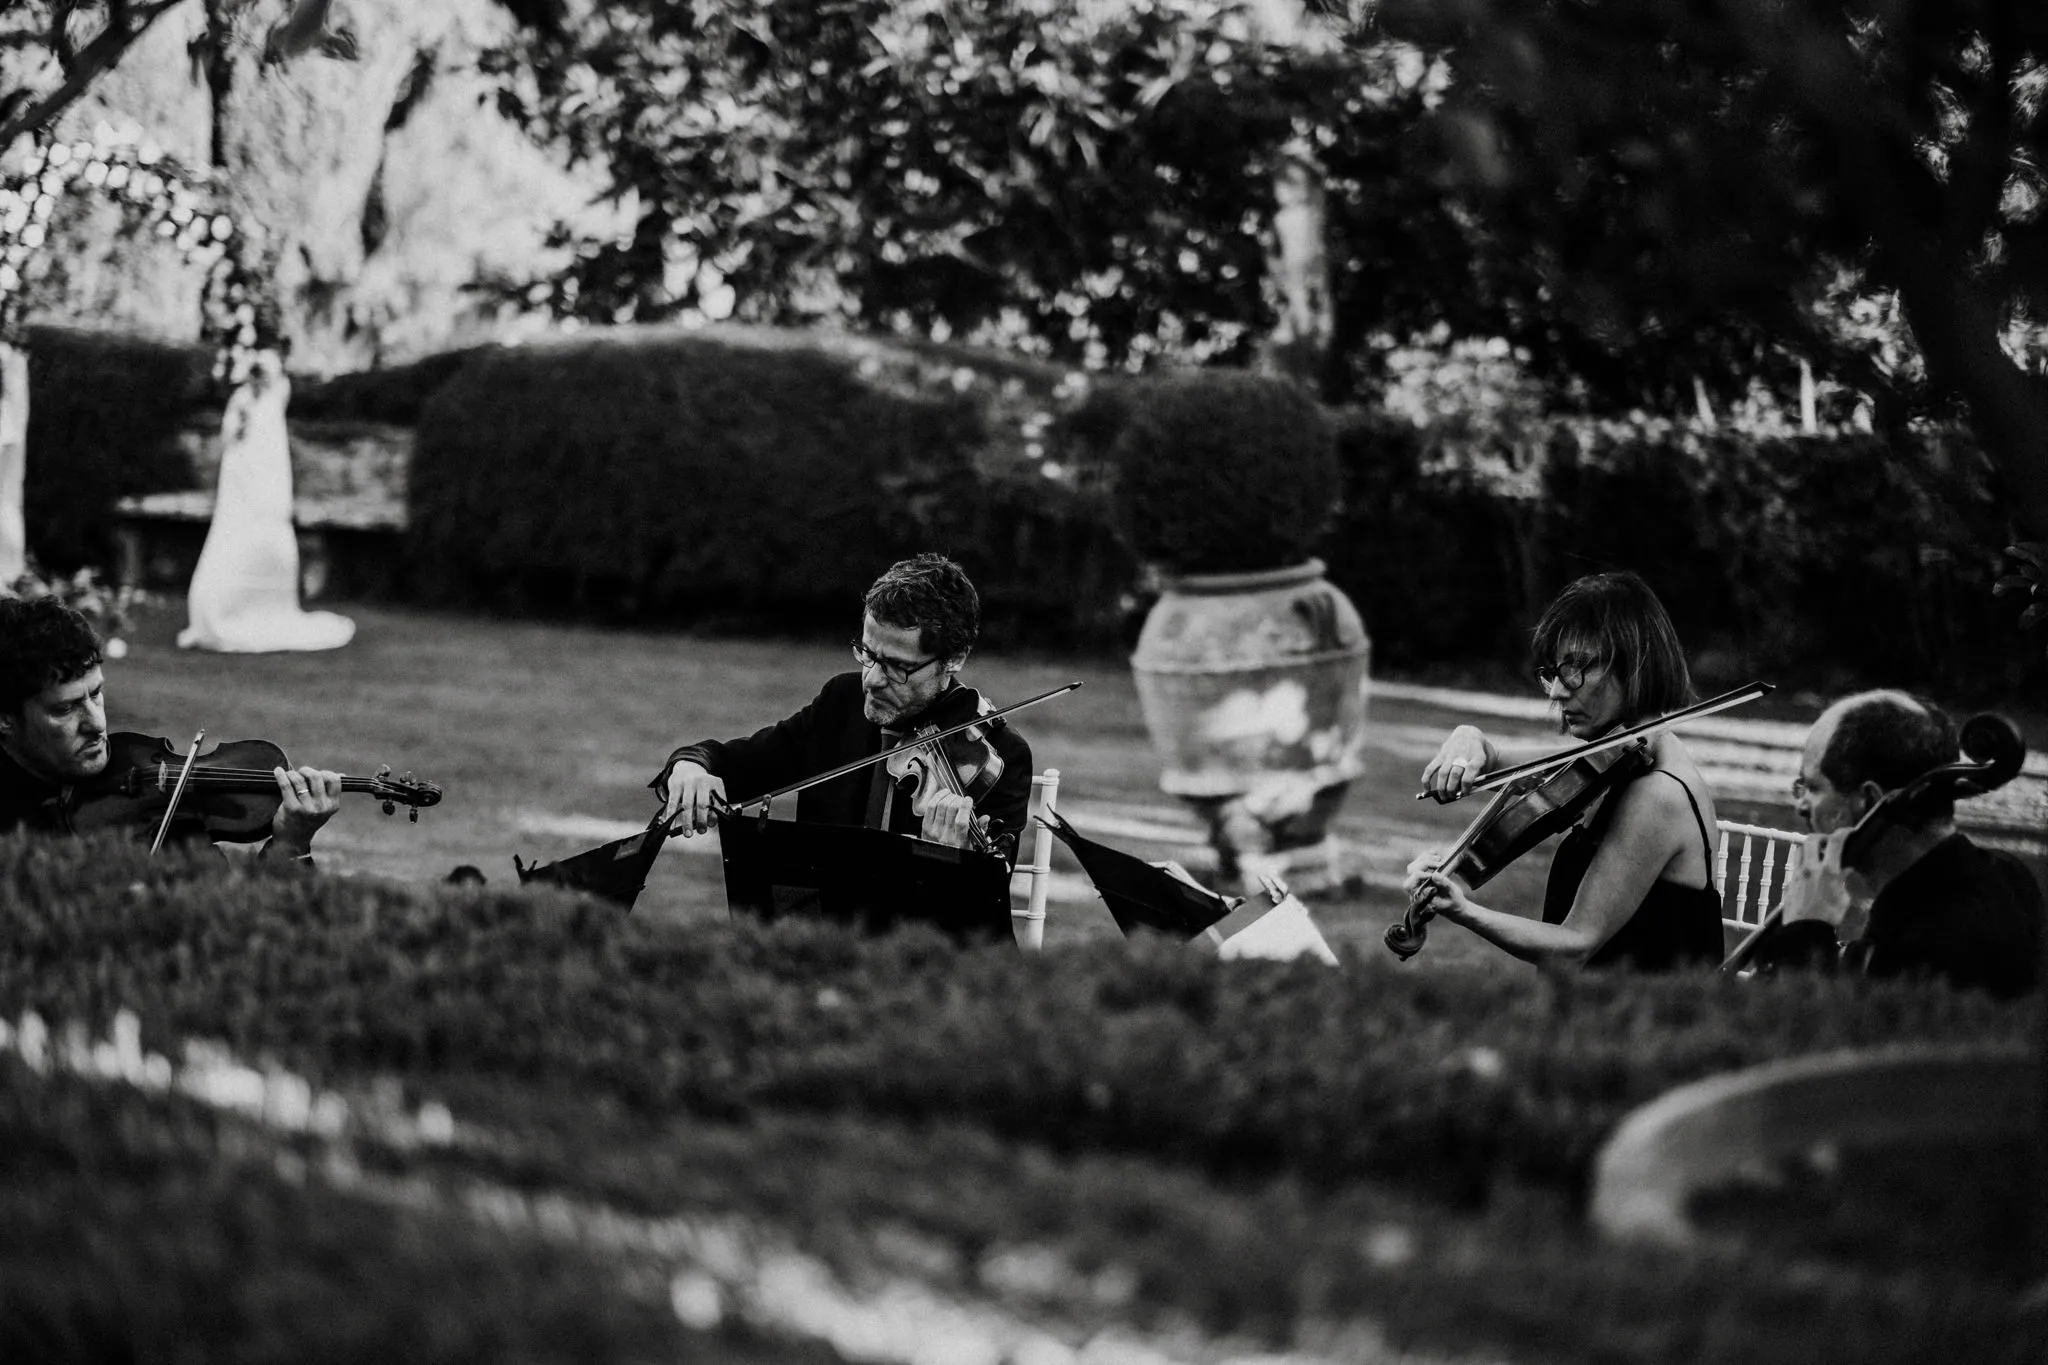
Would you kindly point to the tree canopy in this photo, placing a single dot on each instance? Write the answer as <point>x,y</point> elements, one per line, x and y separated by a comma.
<point>1080,177</point>
<point>1680,161</point>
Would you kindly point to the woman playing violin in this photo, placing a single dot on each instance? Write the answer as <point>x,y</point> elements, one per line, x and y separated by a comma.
<point>1632,882</point>
<point>54,741</point>
<point>919,623</point>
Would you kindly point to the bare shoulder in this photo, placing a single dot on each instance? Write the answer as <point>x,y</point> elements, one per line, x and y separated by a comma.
<point>1657,807</point>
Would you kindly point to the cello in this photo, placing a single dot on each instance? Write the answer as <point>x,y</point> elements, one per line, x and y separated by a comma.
<point>1993,752</point>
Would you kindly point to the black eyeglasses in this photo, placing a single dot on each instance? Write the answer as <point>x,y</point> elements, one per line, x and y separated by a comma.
<point>895,670</point>
<point>1569,671</point>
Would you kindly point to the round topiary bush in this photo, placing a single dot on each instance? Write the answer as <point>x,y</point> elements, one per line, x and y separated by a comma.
<point>1224,472</point>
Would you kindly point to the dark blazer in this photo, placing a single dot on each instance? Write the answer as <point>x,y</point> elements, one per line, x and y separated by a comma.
<point>832,730</point>
<point>1972,916</point>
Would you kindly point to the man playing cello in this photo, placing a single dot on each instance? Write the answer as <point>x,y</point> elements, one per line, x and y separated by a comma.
<point>1942,906</point>
<point>919,623</point>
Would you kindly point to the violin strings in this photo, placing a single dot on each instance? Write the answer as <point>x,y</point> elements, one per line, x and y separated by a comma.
<point>218,777</point>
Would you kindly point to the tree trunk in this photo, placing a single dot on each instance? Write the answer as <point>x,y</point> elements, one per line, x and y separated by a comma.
<point>244,597</point>
<point>13,460</point>
<point>1958,334</point>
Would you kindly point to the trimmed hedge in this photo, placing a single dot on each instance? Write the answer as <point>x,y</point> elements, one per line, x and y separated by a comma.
<point>1822,560</point>
<point>681,475</point>
<point>884,1085</point>
<point>1223,472</point>
<point>752,476</point>
<point>105,411</point>
<point>144,1228</point>
<point>1451,1079</point>
<point>394,394</point>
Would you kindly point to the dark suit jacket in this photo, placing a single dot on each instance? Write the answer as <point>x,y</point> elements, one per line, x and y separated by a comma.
<point>832,730</point>
<point>1970,915</point>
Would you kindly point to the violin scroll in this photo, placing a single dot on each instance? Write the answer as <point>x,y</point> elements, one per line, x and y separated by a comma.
<point>1405,937</point>
<point>1992,743</point>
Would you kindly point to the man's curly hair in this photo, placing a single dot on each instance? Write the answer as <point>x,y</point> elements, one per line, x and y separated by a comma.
<point>933,594</point>
<point>42,643</point>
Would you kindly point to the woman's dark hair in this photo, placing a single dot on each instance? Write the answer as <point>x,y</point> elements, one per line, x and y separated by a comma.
<point>1624,625</point>
<point>932,594</point>
<point>42,643</point>
<point>1889,738</point>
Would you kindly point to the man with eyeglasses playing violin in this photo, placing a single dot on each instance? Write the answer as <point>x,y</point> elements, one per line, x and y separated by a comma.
<point>919,622</point>
<point>1940,905</point>
<point>1632,883</point>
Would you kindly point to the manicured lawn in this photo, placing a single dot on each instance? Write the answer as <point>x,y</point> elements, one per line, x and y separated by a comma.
<point>545,735</point>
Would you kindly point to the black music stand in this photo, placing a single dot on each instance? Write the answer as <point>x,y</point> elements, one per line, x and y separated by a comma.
<point>616,871</point>
<point>868,879</point>
<point>1140,895</point>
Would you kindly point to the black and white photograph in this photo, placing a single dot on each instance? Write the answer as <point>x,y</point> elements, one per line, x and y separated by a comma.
<point>1024,682</point>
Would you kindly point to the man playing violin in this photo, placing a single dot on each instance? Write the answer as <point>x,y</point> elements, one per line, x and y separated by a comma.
<point>919,623</point>
<point>53,732</point>
<point>1632,882</point>
<point>1941,905</point>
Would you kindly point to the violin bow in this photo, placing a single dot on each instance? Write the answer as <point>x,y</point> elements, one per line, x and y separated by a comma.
<point>1738,696</point>
<point>177,790</point>
<point>859,763</point>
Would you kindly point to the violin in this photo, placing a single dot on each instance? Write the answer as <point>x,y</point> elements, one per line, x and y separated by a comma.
<point>229,795</point>
<point>1993,752</point>
<point>957,760</point>
<point>1546,796</point>
<point>926,739</point>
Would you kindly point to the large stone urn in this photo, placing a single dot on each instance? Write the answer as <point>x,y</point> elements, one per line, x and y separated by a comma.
<point>1253,687</point>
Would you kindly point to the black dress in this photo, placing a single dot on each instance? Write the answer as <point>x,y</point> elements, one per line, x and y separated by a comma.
<point>1675,926</point>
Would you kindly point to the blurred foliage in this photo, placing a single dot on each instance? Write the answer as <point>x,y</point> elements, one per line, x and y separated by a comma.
<point>1446,1081</point>
<point>396,394</point>
<point>755,478</point>
<point>149,1227</point>
<point>750,476</point>
<point>1820,559</point>
<point>1221,472</point>
<point>1092,182</point>
<point>1077,179</point>
<point>109,606</point>
<point>104,414</point>
<point>2029,577</point>
<point>1673,166</point>
<point>1135,1138</point>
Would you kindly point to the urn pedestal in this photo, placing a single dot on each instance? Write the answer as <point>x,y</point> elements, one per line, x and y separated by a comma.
<point>1253,688</point>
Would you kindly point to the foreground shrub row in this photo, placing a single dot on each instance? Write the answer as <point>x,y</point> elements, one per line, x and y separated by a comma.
<point>1448,1079</point>
<point>149,1228</point>
<point>995,1106</point>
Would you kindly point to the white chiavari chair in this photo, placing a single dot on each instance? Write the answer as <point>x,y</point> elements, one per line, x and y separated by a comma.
<point>1029,923</point>
<point>1749,868</point>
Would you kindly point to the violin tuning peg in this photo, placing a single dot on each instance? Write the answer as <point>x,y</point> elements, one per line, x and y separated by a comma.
<point>383,771</point>
<point>413,814</point>
<point>390,807</point>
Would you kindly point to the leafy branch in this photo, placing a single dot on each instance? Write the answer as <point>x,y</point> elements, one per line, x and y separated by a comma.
<point>2031,579</point>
